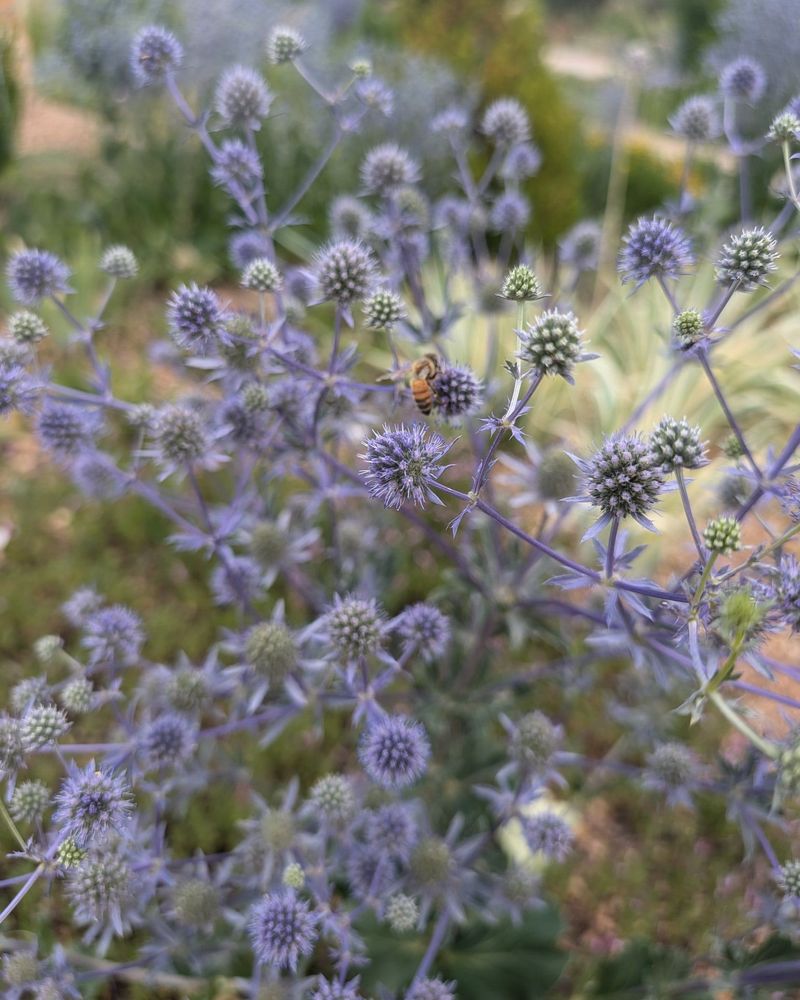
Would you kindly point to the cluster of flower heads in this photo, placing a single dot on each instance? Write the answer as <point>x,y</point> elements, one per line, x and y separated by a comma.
<point>304,430</point>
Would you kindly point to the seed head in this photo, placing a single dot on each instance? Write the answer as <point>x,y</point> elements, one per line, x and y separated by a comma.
<point>505,122</point>
<point>242,98</point>
<point>676,445</point>
<point>654,248</point>
<point>696,120</point>
<point>282,929</point>
<point>747,259</point>
<point>723,535</point>
<point>154,53</point>
<point>119,262</point>
<point>394,751</point>
<point>404,464</point>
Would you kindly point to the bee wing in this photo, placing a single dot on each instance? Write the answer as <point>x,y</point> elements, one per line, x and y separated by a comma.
<point>396,376</point>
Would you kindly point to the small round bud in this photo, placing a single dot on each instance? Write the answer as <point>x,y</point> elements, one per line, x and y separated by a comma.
<point>26,327</point>
<point>277,830</point>
<point>696,120</point>
<point>261,275</point>
<point>689,328</point>
<point>20,969</point>
<point>387,167</point>
<point>534,740</point>
<point>77,696</point>
<point>271,651</point>
<point>789,878</point>
<point>242,98</point>
<point>552,343</point>
<point>119,262</point>
<point>505,122</point>
<point>344,271</point>
<point>671,766</point>
<point>743,79</point>
<point>332,796</point>
<point>394,751</point>
<point>34,275</point>
<point>622,478</point>
<point>285,45</point>
<point>187,690</point>
<point>402,913</point>
<point>180,435</point>
<point>676,445</point>
<point>293,876</point>
<point>723,535</point>
<point>361,68</point>
<point>521,285</point>
<point>47,649</point>
<point>430,864</point>
<point>383,310</point>
<point>732,447</point>
<point>785,127</point>
<point>196,903</point>
<point>457,391</point>
<point>69,854</point>
<point>29,691</point>
<point>43,724</point>
<point>355,627</point>
<point>154,53</point>
<point>555,476</point>
<point>747,259</point>
<point>29,801</point>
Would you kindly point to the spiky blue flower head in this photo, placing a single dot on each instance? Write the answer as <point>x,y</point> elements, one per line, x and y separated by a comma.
<point>349,218</point>
<point>785,127</point>
<point>789,879</point>
<point>242,98</point>
<point>786,589</point>
<point>623,479</point>
<point>505,122</point>
<point>383,310</point>
<point>552,343</point>
<point>27,327</point>
<point>369,875</point>
<point>355,626</point>
<point>424,628</point>
<point>387,167</point>
<point>392,831</point>
<point>91,802</point>
<point>580,247</point>
<point>676,445</point>
<point>743,79</point>
<point>261,275</point>
<point>236,164</point>
<point>18,390</point>
<point>457,391</point>
<point>238,580</point>
<point>167,741</point>
<point>154,53</point>
<point>432,989</point>
<point>283,929</point>
<point>696,120</point>
<point>180,435</point>
<point>344,271</point>
<point>404,465</point>
<point>102,887</point>
<point>394,751</point>
<point>654,248</point>
<point>329,989</point>
<point>119,262</point>
<point>285,44</point>
<point>196,318</point>
<point>547,832</point>
<point>522,161</point>
<point>66,429</point>
<point>375,95</point>
<point>29,801</point>
<point>80,605</point>
<point>747,259</point>
<point>510,212</point>
<point>113,636</point>
<point>34,275</point>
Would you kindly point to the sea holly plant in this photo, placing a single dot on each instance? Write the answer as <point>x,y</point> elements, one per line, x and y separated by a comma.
<point>305,472</point>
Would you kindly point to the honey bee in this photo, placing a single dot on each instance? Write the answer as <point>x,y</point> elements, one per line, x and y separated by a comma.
<point>421,375</point>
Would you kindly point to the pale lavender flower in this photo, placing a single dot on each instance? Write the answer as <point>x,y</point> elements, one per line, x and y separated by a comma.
<point>91,802</point>
<point>404,465</point>
<point>394,751</point>
<point>34,275</point>
<point>113,636</point>
<point>548,833</point>
<point>282,930</point>
<point>154,53</point>
<point>654,248</point>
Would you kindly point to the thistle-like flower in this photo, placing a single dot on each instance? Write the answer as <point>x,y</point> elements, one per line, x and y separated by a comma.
<point>696,120</point>
<point>505,122</point>
<point>349,218</point>
<point>547,832</point>
<point>676,445</point>
<point>167,741</point>
<point>786,591</point>
<point>27,327</point>
<point>344,271</point>
<point>402,913</point>
<point>387,167</point>
<point>747,259</point>
<point>66,429</point>
<point>743,79</point>
<point>533,740</point>
<point>154,53</point>
<point>332,797</point>
<point>671,768</point>
<point>622,479</point>
<point>242,98</point>
<point>457,391</point>
<point>34,275</point>
<point>785,127</point>
<point>29,801</point>
<point>394,751</point>
<point>285,45</point>
<point>383,310</point>
<point>91,802</point>
<point>552,344</point>
<point>43,724</point>
<point>271,651</point>
<point>510,212</point>
<point>180,436</point>
<point>282,930</point>
<point>654,248</point>
<point>113,636</point>
<point>789,879</point>
<point>236,163</point>
<point>261,275</point>
<point>580,247</point>
<point>196,318</point>
<point>392,831</point>
<point>432,989</point>
<point>355,626</point>
<point>119,262</point>
<point>425,630</point>
<point>404,464</point>
<point>195,903</point>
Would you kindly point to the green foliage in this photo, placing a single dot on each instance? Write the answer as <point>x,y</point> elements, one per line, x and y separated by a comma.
<point>9,97</point>
<point>649,182</point>
<point>500,960</point>
<point>695,22</point>
<point>502,44</point>
<point>640,970</point>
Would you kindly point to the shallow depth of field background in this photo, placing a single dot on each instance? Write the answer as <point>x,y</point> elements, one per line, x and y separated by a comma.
<point>83,165</point>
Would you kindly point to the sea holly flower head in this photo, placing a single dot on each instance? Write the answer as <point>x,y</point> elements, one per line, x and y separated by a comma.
<point>654,248</point>
<point>404,464</point>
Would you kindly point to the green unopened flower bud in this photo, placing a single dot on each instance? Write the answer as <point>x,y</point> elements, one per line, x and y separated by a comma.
<point>688,328</point>
<point>42,725</point>
<point>119,262</point>
<point>29,801</point>
<point>723,535</point>
<point>362,68</point>
<point>534,740</point>
<point>26,327</point>
<point>196,903</point>
<point>293,876</point>
<point>261,275</point>
<point>69,854</point>
<point>76,697</point>
<point>785,127</point>
<point>383,310</point>
<point>47,648</point>
<point>431,863</point>
<point>271,651</point>
<point>732,447</point>
<point>20,969</point>
<point>741,617</point>
<point>333,797</point>
<point>255,397</point>
<point>521,284</point>
<point>402,913</point>
<point>268,543</point>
